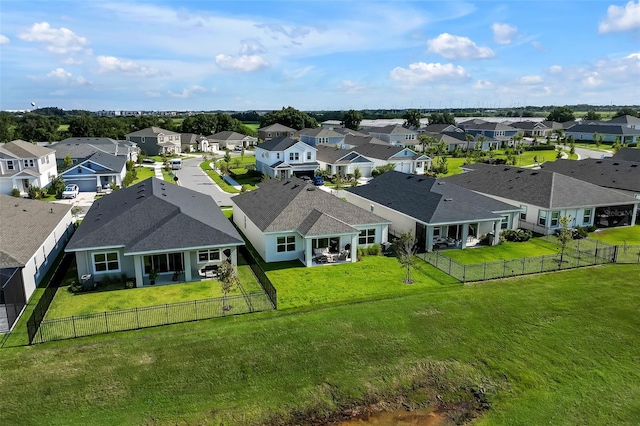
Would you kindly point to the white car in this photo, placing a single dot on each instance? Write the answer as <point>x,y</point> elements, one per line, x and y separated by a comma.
<point>70,191</point>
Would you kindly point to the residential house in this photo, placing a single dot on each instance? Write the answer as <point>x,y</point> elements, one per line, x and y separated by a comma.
<point>629,121</point>
<point>23,164</point>
<point>343,162</point>
<point>406,160</point>
<point>472,123</point>
<point>437,212</point>
<point>532,129</point>
<point>501,133</point>
<point>275,131</point>
<point>153,226</point>
<point>230,140</point>
<point>291,220</point>
<point>545,196</point>
<point>332,124</point>
<point>80,148</point>
<point>99,171</point>
<point>283,157</point>
<point>610,133</point>
<point>191,142</point>
<point>32,234</point>
<point>441,128</point>
<point>156,141</point>
<point>395,135</point>
<point>346,131</point>
<point>452,140</point>
<point>321,136</point>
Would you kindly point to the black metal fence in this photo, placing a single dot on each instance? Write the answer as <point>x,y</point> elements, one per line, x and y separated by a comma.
<point>150,316</point>
<point>40,310</point>
<point>628,253</point>
<point>264,281</point>
<point>572,258</point>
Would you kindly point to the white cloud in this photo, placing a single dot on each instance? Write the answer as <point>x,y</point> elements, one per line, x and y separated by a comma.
<point>538,46</point>
<point>351,87</point>
<point>592,79</point>
<point>4,39</point>
<point>72,61</point>
<point>297,73</point>
<point>621,18</point>
<point>554,69</point>
<point>633,56</point>
<point>420,73</point>
<point>251,46</point>
<point>66,77</point>
<point>245,63</point>
<point>113,64</point>
<point>456,47</point>
<point>187,92</point>
<point>61,41</point>
<point>503,33</point>
<point>531,79</point>
<point>153,94</point>
<point>483,84</point>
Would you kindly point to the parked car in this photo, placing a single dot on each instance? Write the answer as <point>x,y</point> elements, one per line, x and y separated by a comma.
<point>318,181</point>
<point>148,160</point>
<point>307,179</point>
<point>237,148</point>
<point>70,191</point>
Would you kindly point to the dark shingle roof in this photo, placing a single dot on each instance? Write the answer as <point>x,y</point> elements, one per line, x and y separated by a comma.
<point>541,188</point>
<point>152,131</point>
<point>112,162</point>
<point>25,226</point>
<point>430,200</point>
<point>329,154</point>
<point>92,141</point>
<point>345,131</point>
<point>154,215</point>
<point>392,129</point>
<point>278,144</point>
<point>319,223</point>
<point>286,205</point>
<point>380,152</point>
<point>609,172</point>
<point>627,154</point>
<point>625,119</point>
<point>277,127</point>
<point>604,129</point>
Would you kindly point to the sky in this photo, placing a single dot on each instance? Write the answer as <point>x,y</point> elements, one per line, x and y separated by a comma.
<point>317,55</point>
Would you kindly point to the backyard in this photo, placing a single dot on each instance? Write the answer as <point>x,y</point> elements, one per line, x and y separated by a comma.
<point>504,251</point>
<point>618,236</point>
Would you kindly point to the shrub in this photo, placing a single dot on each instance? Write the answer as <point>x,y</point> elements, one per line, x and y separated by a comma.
<point>540,148</point>
<point>15,192</point>
<point>516,235</point>
<point>374,250</point>
<point>34,192</point>
<point>130,283</point>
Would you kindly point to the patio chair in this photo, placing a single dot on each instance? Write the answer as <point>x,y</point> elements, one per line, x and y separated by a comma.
<point>343,255</point>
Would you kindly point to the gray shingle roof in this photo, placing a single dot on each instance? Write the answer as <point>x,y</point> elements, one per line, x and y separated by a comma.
<point>278,144</point>
<point>24,227</point>
<point>276,127</point>
<point>625,119</point>
<point>286,205</point>
<point>329,154</point>
<point>21,149</point>
<point>319,223</point>
<point>154,215</point>
<point>393,129</point>
<point>609,129</point>
<point>430,200</point>
<point>152,131</point>
<point>627,154</point>
<point>227,135</point>
<point>381,152</point>
<point>609,172</point>
<point>541,188</point>
<point>92,141</point>
<point>320,132</point>
<point>112,162</point>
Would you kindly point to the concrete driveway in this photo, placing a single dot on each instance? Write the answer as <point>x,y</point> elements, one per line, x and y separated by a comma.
<point>191,176</point>
<point>84,200</point>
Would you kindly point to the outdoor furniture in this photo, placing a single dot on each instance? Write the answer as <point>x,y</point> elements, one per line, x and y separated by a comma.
<point>343,255</point>
<point>210,271</point>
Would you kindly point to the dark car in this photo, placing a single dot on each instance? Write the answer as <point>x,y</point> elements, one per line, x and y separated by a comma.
<point>318,181</point>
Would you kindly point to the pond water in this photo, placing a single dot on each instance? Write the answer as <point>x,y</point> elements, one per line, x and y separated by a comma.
<point>424,417</point>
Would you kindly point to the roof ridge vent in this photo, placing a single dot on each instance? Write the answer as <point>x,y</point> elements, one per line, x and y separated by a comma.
<point>448,199</point>
<point>440,182</point>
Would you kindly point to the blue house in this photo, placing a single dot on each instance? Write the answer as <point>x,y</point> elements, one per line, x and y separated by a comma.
<point>497,131</point>
<point>321,136</point>
<point>98,170</point>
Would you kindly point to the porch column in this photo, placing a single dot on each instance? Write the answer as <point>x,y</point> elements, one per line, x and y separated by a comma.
<point>633,214</point>
<point>354,248</point>
<point>308,252</point>
<point>137,264</point>
<point>496,232</point>
<point>234,256</point>
<point>187,265</point>
<point>465,235</point>
<point>429,241</point>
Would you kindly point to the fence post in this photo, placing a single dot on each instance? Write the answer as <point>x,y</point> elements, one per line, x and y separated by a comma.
<point>523,262</point>
<point>106,323</point>
<point>137,319</point>
<point>73,322</point>
<point>484,274</point>
<point>504,268</point>
<point>166,309</point>
<point>195,308</point>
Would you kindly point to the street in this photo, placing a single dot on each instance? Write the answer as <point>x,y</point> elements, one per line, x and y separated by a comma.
<point>193,177</point>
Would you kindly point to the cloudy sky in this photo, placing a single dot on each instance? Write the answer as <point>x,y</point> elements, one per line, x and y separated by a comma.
<point>313,55</point>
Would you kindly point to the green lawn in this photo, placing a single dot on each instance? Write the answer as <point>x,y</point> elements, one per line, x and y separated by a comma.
<point>254,126</point>
<point>505,251</point>
<point>557,349</point>
<point>217,179</point>
<point>143,173</point>
<point>630,235</point>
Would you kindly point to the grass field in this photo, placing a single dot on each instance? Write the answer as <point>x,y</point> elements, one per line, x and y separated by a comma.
<point>629,235</point>
<point>557,349</point>
<point>143,173</point>
<point>505,251</point>
<point>217,179</point>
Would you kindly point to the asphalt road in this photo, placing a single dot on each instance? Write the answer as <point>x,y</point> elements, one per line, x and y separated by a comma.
<point>584,153</point>
<point>191,176</point>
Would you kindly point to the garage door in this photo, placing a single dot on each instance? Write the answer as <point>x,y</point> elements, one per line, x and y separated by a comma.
<point>403,167</point>
<point>303,173</point>
<point>85,185</point>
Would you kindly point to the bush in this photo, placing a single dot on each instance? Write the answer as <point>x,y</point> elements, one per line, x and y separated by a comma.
<point>15,192</point>
<point>34,192</point>
<point>516,235</point>
<point>540,148</point>
<point>374,250</point>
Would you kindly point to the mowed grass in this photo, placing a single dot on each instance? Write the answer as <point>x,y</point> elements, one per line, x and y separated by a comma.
<point>616,236</point>
<point>206,167</point>
<point>557,349</point>
<point>143,173</point>
<point>504,251</point>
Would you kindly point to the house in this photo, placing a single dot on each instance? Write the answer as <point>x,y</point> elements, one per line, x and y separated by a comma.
<point>332,124</point>
<point>610,133</point>
<point>406,160</point>
<point>544,196</point>
<point>283,157</point>
<point>153,226</point>
<point>23,164</point>
<point>532,129</point>
<point>395,134</point>
<point>625,120</point>
<point>32,234</point>
<point>321,136</point>
<point>80,148</point>
<point>192,142</point>
<point>275,131</point>
<point>627,154</point>
<point>495,131</point>
<point>438,213</point>
<point>440,128</point>
<point>98,171</point>
<point>229,140</point>
<point>452,140</point>
<point>156,141</point>
<point>291,220</point>
<point>343,162</point>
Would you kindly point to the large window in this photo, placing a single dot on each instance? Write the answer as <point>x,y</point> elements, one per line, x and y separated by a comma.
<point>10,165</point>
<point>542,218</point>
<point>523,213</point>
<point>106,262</point>
<point>586,217</point>
<point>209,255</point>
<point>367,236</point>
<point>286,244</point>
<point>504,224</point>
<point>555,219</point>
<point>165,262</point>
<point>294,156</point>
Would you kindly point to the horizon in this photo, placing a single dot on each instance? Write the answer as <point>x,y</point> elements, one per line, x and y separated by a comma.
<point>318,56</point>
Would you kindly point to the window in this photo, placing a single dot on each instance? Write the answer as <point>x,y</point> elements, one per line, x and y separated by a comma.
<point>47,159</point>
<point>504,224</point>
<point>269,134</point>
<point>436,231</point>
<point>418,164</point>
<point>286,244</point>
<point>9,165</point>
<point>555,217</point>
<point>105,262</point>
<point>294,156</point>
<point>308,155</point>
<point>367,236</point>
<point>586,218</point>
<point>142,140</point>
<point>165,262</point>
<point>42,160</point>
<point>542,218</point>
<point>28,163</point>
<point>210,255</point>
<point>278,155</point>
<point>523,213</point>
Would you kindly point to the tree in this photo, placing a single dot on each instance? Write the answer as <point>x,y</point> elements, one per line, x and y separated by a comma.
<point>616,145</point>
<point>227,155</point>
<point>383,169</point>
<point>627,111</point>
<point>412,118</point>
<point>598,138</point>
<point>82,126</point>
<point>228,281</point>
<point>559,134</point>
<point>445,118</point>
<point>357,174</point>
<point>290,117</point>
<point>592,116</point>
<point>56,186</point>
<point>200,124</point>
<point>7,124</point>
<point>37,128</point>
<point>572,147</point>
<point>426,141</point>
<point>561,114</point>
<point>68,162</point>
<point>352,119</point>
<point>564,234</point>
<point>405,248</point>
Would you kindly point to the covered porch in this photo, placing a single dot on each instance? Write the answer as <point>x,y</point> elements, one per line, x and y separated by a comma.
<point>330,249</point>
<point>457,235</point>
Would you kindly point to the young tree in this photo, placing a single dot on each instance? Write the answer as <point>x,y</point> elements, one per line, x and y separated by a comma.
<point>616,145</point>
<point>357,174</point>
<point>228,281</point>
<point>68,162</point>
<point>564,234</point>
<point>412,118</point>
<point>227,155</point>
<point>426,141</point>
<point>405,248</point>
<point>352,119</point>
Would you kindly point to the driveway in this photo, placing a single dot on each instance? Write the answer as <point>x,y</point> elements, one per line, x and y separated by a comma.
<point>191,176</point>
<point>588,153</point>
<point>84,200</point>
